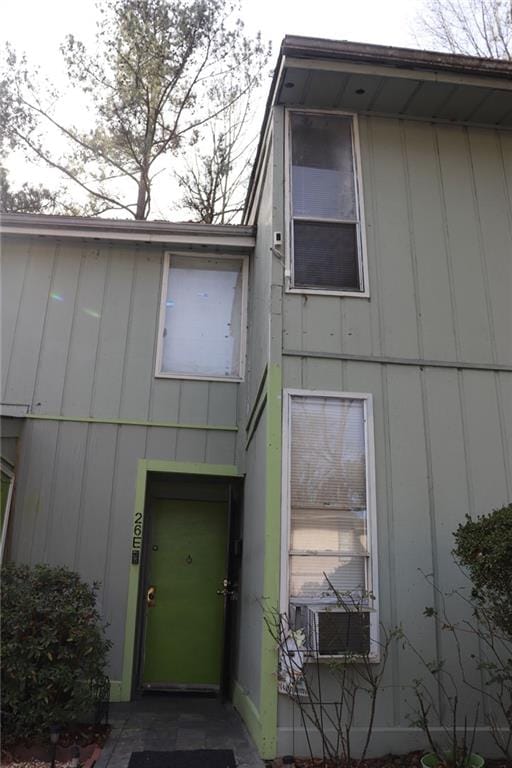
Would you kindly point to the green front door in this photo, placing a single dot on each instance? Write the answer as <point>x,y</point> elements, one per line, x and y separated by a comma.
<point>184,615</point>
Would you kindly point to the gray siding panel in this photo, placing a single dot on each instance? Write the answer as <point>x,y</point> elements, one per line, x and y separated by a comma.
<point>32,521</point>
<point>10,433</point>
<point>251,579</point>
<point>438,215</point>
<point>486,456</point>
<point>504,388</point>
<point>194,403</point>
<point>83,344</point>
<point>12,276</point>
<point>130,448</point>
<point>55,344</point>
<point>474,335</point>
<point>165,399</point>
<point>142,330</point>
<point>113,333</point>
<point>91,543</point>
<point>220,448</point>
<point>23,357</point>
<point>191,445</point>
<point>161,443</point>
<point>321,323</point>
<point>259,297</point>
<point>495,237</point>
<point>442,449</point>
<point>395,289</point>
<point>411,515</point>
<point>67,493</point>
<point>222,403</point>
<point>434,312</point>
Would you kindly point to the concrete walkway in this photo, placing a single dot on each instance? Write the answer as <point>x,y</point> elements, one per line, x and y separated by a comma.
<point>176,722</point>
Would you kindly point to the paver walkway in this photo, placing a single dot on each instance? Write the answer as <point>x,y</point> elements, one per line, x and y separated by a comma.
<point>176,722</point>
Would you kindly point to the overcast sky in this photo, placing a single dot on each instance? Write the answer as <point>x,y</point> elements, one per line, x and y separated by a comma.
<point>38,28</point>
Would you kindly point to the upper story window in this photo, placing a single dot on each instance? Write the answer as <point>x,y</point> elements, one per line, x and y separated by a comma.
<point>324,191</point>
<point>202,317</point>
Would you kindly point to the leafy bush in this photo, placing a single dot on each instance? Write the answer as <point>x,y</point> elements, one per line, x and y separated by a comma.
<point>53,650</point>
<point>484,547</point>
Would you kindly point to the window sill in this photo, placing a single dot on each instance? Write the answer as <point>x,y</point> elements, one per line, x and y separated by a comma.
<point>320,292</point>
<point>198,377</point>
<point>372,658</point>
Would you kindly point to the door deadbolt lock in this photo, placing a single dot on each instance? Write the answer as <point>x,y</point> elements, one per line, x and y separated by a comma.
<point>150,597</point>
<point>227,590</point>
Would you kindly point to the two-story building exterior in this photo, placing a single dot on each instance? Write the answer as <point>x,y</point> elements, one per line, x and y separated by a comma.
<point>221,422</point>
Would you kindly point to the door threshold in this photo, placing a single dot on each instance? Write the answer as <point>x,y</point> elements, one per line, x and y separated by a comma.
<point>179,688</point>
<point>163,693</point>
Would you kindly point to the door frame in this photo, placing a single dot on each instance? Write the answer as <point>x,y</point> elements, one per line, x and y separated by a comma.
<point>132,625</point>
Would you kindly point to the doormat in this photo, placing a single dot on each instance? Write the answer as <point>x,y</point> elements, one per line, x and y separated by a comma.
<point>194,758</point>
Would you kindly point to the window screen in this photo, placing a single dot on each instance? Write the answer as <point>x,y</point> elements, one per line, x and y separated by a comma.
<point>203,317</point>
<point>326,252</point>
<point>328,518</point>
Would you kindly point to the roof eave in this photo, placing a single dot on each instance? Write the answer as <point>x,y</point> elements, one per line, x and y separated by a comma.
<point>403,58</point>
<point>183,234</point>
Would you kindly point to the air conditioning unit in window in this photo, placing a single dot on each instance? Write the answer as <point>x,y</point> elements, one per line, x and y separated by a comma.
<point>334,631</point>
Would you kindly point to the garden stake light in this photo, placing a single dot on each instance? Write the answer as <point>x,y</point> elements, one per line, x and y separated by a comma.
<point>54,739</point>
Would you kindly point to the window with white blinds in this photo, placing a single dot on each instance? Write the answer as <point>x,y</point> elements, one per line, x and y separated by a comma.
<point>329,536</point>
<point>324,204</point>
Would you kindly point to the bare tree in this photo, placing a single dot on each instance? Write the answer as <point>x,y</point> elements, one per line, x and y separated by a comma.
<point>147,85</point>
<point>473,27</point>
<point>214,179</point>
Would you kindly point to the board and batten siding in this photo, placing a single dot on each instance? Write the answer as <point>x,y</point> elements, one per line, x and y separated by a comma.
<point>79,334</point>
<point>437,202</point>
<point>253,453</point>
<point>433,345</point>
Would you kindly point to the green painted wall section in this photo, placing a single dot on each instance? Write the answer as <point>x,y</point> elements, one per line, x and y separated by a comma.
<point>271,567</point>
<point>133,587</point>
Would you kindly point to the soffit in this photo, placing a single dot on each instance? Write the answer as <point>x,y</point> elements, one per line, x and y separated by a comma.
<point>392,91</point>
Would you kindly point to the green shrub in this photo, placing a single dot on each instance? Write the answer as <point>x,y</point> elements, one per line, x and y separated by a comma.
<point>53,650</point>
<point>484,547</point>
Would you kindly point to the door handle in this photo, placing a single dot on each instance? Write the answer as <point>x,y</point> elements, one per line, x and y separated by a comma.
<point>150,596</point>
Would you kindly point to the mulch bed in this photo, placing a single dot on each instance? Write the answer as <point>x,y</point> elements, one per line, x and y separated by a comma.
<point>38,753</point>
<point>410,760</point>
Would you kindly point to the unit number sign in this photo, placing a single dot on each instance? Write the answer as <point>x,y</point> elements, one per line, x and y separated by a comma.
<point>137,538</point>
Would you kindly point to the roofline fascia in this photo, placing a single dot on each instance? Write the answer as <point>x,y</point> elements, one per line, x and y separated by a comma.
<point>390,56</point>
<point>30,225</point>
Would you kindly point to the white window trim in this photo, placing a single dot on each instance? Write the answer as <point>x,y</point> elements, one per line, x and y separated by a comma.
<point>159,374</point>
<point>361,234</point>
<point>371,500</point>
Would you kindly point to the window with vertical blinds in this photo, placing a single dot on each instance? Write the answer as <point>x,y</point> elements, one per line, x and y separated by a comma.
<point>329,539</point>
<point>324,204</point>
